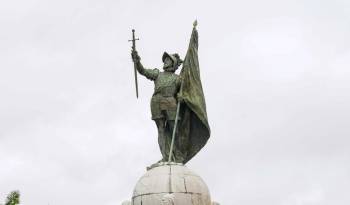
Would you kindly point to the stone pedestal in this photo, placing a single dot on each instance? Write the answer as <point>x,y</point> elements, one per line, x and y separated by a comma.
<point>171,184</point>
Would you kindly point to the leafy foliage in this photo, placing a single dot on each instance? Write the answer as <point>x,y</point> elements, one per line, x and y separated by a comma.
<point>13,198</point>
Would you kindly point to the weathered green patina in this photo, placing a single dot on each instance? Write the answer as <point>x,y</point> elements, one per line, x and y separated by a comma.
<point>170,89</point>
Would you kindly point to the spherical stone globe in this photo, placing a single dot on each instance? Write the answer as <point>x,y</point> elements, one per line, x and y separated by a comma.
<point>171,184</point>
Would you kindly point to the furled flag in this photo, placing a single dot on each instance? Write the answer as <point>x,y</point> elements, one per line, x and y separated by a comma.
<point>194,130</point>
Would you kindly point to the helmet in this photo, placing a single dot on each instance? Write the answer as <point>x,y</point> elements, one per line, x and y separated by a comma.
<point>174,57</point>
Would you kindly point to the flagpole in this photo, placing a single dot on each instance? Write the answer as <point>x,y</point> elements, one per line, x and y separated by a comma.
<point>174,131</point>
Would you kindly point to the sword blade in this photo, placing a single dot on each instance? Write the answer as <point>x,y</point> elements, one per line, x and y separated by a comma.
<point>136,83</point>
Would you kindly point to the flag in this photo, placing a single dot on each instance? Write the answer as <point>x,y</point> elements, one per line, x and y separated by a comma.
<point>194,130</point>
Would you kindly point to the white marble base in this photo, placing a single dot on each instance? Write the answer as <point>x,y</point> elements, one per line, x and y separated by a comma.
<point>171,184</point>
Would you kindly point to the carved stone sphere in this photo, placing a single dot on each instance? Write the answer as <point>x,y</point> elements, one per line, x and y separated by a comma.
<point>171,184</point>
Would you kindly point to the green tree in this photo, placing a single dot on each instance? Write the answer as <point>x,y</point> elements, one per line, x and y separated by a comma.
<point>13,198</point>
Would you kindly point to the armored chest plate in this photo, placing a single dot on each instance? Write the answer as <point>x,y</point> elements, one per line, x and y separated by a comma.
<point>166,84</point>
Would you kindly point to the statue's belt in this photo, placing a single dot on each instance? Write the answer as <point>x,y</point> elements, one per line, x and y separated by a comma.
<point>161,95</point>
<point>168,91</point>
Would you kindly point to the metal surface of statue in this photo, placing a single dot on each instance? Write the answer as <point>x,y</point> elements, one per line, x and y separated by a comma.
<point>177,105</point>
<point>179,111</point>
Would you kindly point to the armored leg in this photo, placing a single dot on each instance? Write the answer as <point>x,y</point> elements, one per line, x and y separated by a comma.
<point>177,155</point>
<point>162,138</point>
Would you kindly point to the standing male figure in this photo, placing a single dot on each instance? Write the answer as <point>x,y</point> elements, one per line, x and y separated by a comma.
<point>164,100</point>
<point>170,89</point>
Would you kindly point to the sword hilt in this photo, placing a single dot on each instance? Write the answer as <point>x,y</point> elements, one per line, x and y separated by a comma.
<point>133,39</point>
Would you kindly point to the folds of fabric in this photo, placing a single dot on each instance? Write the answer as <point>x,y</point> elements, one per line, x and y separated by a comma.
<point>193,129</point>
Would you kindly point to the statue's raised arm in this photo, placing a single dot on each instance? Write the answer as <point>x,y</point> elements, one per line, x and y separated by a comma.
<point>150,74</point>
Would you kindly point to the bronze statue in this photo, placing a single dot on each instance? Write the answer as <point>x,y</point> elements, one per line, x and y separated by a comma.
<point>181,132</point>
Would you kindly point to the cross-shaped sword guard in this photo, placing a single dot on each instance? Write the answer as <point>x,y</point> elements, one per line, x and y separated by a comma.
<point>133,39</point>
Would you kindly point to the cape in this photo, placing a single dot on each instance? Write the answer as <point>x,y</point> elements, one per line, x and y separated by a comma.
<point>194,130</point>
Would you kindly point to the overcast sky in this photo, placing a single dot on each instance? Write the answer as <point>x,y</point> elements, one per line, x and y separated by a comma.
<point>276,76</point>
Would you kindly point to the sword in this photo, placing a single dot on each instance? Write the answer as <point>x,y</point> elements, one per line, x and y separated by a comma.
<point>134,49</point>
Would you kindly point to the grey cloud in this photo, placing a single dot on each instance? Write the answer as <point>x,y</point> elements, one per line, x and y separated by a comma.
<point>275,76</point>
